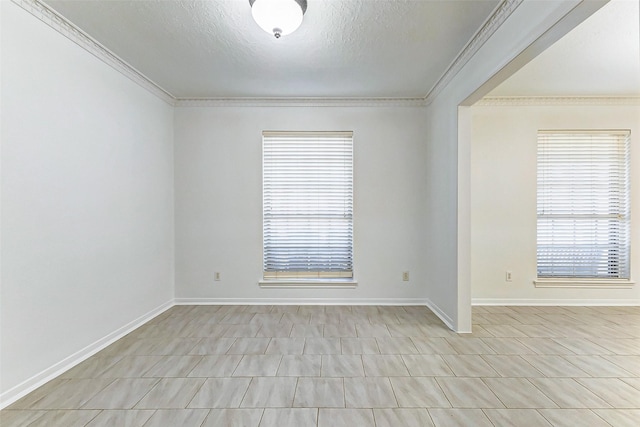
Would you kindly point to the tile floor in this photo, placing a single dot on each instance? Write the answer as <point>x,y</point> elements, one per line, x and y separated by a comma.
<point>354,366</point>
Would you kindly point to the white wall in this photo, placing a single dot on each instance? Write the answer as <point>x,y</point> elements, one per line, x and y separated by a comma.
<point>218,185</point>
<point>503,199</point>
<point>87,200</point>
<point>87,196</point>
<point>447,223</point>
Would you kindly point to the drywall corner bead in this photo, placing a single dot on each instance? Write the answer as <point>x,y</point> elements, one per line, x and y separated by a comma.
<point>47,15</point>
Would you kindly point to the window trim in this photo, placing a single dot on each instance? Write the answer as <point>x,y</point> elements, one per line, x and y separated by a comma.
<point>308,279</point>
<point>543,282</point>
<point>586,281</point>
<point>308,283</point>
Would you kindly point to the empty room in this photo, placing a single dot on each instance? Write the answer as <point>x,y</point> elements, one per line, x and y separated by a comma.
<point>319,213</point>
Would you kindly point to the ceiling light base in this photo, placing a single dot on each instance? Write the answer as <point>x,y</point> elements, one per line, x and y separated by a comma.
<point>278,17</point>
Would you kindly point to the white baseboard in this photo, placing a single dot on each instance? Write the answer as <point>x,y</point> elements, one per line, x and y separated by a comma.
<point>559,302</point>
<point>26,387</point>
<point>321,301</point>
<point>441,314</point>
<point>301,301</point>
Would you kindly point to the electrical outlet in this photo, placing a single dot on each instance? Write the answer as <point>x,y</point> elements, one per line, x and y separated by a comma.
<point>216,276</point>
<point>405,276</point>
<point>508,276</point>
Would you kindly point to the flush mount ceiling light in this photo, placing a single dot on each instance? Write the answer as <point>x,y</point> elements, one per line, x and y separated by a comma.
<point>278,17</point>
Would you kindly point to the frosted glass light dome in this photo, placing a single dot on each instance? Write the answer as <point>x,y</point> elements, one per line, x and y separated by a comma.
<point>278,17</point>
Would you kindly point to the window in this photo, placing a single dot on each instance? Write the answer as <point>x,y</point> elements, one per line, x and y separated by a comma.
<point>583,204</point>
<point>307,205</point>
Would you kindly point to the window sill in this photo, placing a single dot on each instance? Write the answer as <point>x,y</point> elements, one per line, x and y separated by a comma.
<point>584,283</point>
<point>308,283</point>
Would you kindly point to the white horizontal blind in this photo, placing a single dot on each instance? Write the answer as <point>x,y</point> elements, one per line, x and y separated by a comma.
<point>583,204</point>
<point>307,204</point>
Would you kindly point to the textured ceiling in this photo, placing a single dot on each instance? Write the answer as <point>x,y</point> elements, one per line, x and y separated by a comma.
<point>344,48</point>
<point>600,57</point>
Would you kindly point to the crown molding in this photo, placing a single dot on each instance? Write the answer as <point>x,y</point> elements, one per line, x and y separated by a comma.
<point>495,20</point>
<point>523,101</point>
<point>300,102</point>
<point>59,23</point>
<point>50,17</point>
